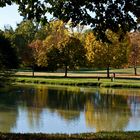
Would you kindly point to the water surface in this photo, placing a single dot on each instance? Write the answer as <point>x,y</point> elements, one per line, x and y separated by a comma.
<point>53,109</point>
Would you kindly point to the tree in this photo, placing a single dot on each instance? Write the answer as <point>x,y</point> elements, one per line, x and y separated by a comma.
<point>60,49</point>
<point>8,59</point>
<point>9,33</point>
<point>41,32</point>
<point>46,51</point>
<point>101,55</point>
<point>100,14</point>
<point>44,56</point>
<point>24,35</point>
<point>134,54</point>
<point>72,54</point>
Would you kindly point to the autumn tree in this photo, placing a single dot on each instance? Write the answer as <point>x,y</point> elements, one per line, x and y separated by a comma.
<point>45,50</point>
<point>43,56</point>
<point>60,49</point>
<point>134,50</point>
<point>47,53</point>
<point>106,55</point>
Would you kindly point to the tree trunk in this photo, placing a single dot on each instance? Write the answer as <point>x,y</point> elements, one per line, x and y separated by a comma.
<point>33,71</point>
<point>108,73</point>
<point>135,70</point>
<point>66,70</point>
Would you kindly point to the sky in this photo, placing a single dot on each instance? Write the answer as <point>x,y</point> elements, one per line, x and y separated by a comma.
<point>9,16</point>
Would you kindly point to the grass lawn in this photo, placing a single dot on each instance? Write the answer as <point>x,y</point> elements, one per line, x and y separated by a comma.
<point>124,78</point>
<point>103,82</point>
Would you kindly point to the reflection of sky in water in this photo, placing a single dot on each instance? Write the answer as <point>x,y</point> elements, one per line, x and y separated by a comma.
<point>134,122</point>
<point>49,123</point>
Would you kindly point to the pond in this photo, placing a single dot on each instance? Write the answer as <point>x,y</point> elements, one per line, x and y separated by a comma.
<point>61,109</point>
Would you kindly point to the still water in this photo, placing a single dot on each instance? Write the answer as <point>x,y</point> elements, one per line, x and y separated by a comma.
<point>53,109</point>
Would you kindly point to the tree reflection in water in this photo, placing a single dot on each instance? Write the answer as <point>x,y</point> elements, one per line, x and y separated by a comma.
<point>8,111</point>
<point>104,109</point>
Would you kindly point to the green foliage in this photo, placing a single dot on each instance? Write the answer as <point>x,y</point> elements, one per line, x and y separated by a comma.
<point>73,53</point>
<point>23,36</point>
<point>41,33</point>
<point>8,60</point>
<point>100,14</point>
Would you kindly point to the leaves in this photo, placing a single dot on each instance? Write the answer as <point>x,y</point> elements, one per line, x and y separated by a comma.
<point>100,54</point>
<point>59,49</point>
<point>8,58</point>
<point>101,15</point>
<point>23,36</point>
<point>134,49</point>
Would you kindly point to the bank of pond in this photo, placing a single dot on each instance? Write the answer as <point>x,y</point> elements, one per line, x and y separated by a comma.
<point>94,82</point>
<point>84,136</point>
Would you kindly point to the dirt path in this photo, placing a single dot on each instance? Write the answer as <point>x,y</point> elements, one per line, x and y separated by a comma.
<point>75,74</point>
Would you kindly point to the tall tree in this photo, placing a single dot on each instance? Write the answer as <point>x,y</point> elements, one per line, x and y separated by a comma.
<point>9,33</point>
<point>106,55</point>
<point>72,54</point>
<point>24,35</point>
<point>8,59</point>
<point>60,49</point>
<point>134,50</point>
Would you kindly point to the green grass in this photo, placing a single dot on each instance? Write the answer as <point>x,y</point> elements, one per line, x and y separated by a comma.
<point>104,82</point>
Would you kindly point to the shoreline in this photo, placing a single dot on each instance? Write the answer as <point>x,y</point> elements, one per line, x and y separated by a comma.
<point>118,82</point>
<point>83,136</point>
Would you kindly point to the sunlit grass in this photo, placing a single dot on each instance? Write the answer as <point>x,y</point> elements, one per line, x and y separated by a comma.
<point>103,82</point>
<point>124,78</point>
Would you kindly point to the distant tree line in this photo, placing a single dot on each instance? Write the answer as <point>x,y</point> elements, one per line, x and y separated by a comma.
<point>57,45</point>
<point>38,42</point>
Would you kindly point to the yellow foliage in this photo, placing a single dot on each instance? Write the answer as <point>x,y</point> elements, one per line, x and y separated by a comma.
<point>105,54</point>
